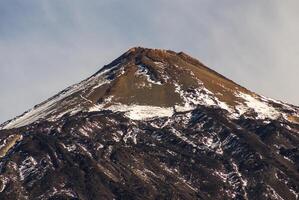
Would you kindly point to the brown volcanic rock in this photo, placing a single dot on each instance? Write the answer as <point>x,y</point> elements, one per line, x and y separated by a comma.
<point>153,124</point>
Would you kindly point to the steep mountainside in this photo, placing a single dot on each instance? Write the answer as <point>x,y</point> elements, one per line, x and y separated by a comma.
<point>153,124</point>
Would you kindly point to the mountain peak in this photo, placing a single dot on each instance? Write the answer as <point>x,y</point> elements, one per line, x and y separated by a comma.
<point>152,124</point>
<point>146,83</point>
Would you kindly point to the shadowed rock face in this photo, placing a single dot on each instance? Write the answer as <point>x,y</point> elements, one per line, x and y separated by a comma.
<point>153,124</point>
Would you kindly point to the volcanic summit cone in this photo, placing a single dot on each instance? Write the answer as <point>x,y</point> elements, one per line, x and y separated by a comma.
<point>153,124</point>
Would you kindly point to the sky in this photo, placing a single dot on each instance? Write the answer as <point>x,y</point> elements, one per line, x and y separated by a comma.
<point>48,45</point>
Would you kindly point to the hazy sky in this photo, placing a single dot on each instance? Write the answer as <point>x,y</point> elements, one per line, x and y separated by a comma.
<point>46,46</point>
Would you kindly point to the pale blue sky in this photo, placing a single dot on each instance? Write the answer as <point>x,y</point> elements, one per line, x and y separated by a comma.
<point>47,45</point>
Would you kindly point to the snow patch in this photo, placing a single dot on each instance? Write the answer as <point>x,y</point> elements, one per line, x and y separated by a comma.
<point>132,133</point>
<point>137,112</point>
<point>199,96</point>
<point>47,108</point>
<point>27,167</point>
<point>70,147</point>
<point>4,181</point>
<point>142,70</point>
<point>263,109</point>
<point>85,150</point>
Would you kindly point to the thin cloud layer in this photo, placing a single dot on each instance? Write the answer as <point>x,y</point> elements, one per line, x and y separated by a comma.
<point>46,46</point>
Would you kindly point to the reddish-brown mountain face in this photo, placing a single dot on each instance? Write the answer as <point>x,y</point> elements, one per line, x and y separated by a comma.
<point>153,124</point>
